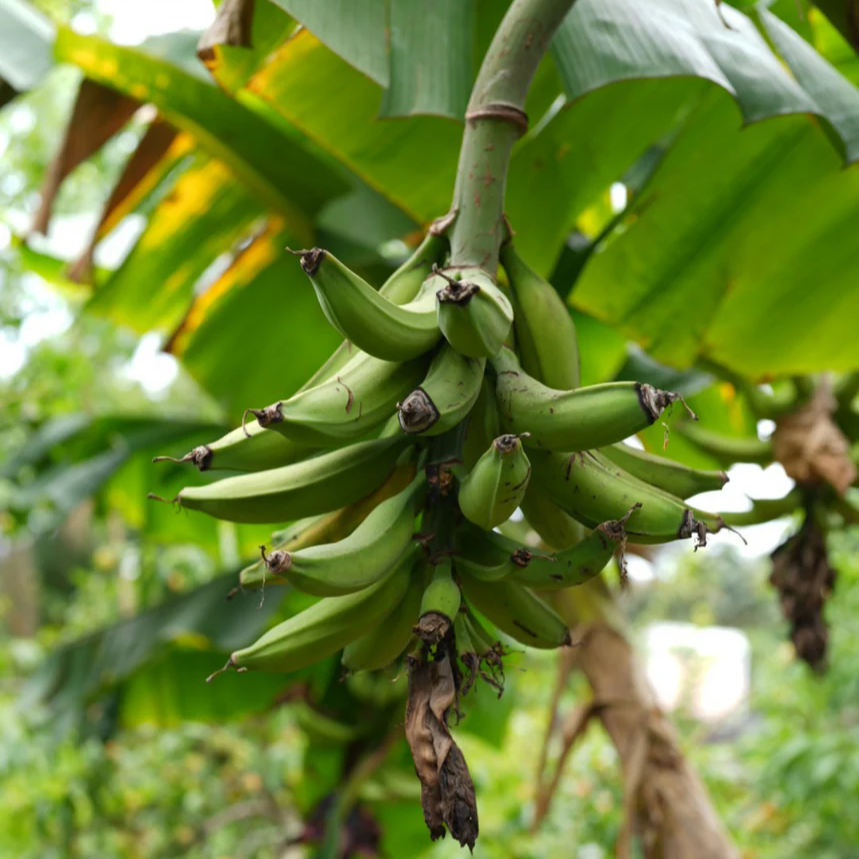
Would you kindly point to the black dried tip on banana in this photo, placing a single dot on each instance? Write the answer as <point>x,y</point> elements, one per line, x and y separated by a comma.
<point>507,443</point>
<point>522,557</point>
<point>276,562</point>
<point>310,259</point>
<point>201,457</point>
<point>691,526</point>
<point>417,412</point>
<point>272,414</point>
<point>654,401</point>
<point>432,627</point>
<point>457,292</point>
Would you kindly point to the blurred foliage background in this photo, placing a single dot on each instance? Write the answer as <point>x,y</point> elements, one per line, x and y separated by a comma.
<point>107,747</point>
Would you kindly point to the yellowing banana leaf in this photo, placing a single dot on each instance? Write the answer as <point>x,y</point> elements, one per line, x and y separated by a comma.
<point>233,64</point>
<point>410,162</point>
<point>719,254</point>
<point>275,168</point>
<point>207,211</point>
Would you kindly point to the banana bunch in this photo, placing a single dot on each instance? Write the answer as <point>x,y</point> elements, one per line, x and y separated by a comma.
<point>393,466</point>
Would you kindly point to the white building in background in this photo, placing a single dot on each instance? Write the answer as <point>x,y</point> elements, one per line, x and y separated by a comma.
<point>705,671</point>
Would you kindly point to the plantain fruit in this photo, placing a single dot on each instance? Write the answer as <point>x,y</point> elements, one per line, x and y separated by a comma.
<point>474,315</point>
<point>324,628</point>
<point>316,485</point>
<point>405,283</point>
<point>389,639</point>
<point>326,527</point>
<point>592,490</point>
<point>359,560</point>
<point>663,473</point>
<point>516,611</point>
<point>359,398</point>
<point>445,396</point>
<point>495,486</point>
<point>545,331</point>
<point>246,449</point>
<point>726,449</point>
<point>439,604</point>
<point>573,420</point>
<point>367,318</point>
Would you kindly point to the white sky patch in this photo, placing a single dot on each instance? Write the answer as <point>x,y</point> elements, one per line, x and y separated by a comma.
<point>153,369</point>
<point>618,197</point>
<point>134,22</point>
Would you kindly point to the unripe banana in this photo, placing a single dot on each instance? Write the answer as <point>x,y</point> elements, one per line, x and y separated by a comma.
<point>473,313</point>
<point>244,449</point>
<point>545,331</point>
<point>327,527</point>
<point>593,490</point>
<point>317,485</point>
<point>324,628</point>
<point>573,420</point>
<point>401,288</point>
<point>484,425</point>
<point>322,729</point>
<point>496,485</point>
<point>544,572</point>
<point>439,605</point>
<point>359,560</point>
<point>367,318</point>
<point>485,641</point>
<point>354,402</point>
<point>517,611</point>
<point>663,473</point>
<point>405,283</point>
<point>383,644</point>
<point>445,396</point>
<point>555,527</point>
<point>725,449</point>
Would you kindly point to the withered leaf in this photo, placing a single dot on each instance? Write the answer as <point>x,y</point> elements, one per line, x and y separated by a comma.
<point>447,791</point>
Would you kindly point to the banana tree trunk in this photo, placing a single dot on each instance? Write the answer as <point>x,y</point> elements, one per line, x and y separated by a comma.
<point>666,804</point>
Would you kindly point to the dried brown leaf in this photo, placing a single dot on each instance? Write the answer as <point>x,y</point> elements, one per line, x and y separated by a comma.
<point>811,447</point>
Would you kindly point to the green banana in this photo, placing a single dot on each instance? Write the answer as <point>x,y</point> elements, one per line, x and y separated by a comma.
<point>726,449</point>
<point>306,488</point>
<point>324,628</point>
<point>663,473</point>
<point>445,396</point>
<point>356,400</point>
<point>495,487</point>
<point>516,611</point>
<point>483,426</point>
<point>592,490</point>
<point>474,315</point>
<point>555,527</point>
<point>545,331</point>
<point>573,420</point>
<point>568,568</point>
<point>439,604</point>
<point>405,283</point>
<point>359,560</point>
<point>366,317</point>
<point>338,359</point>
<point>380,646</point>
<point>245,449</point>
<point>326,528</point>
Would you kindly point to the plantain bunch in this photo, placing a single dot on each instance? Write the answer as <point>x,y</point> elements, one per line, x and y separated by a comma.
<point>452,402</point>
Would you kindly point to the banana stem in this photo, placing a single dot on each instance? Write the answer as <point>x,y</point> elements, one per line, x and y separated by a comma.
<point>494,121</point>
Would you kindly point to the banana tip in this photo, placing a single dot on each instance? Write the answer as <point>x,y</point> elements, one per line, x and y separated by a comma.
<point>230,664</point>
